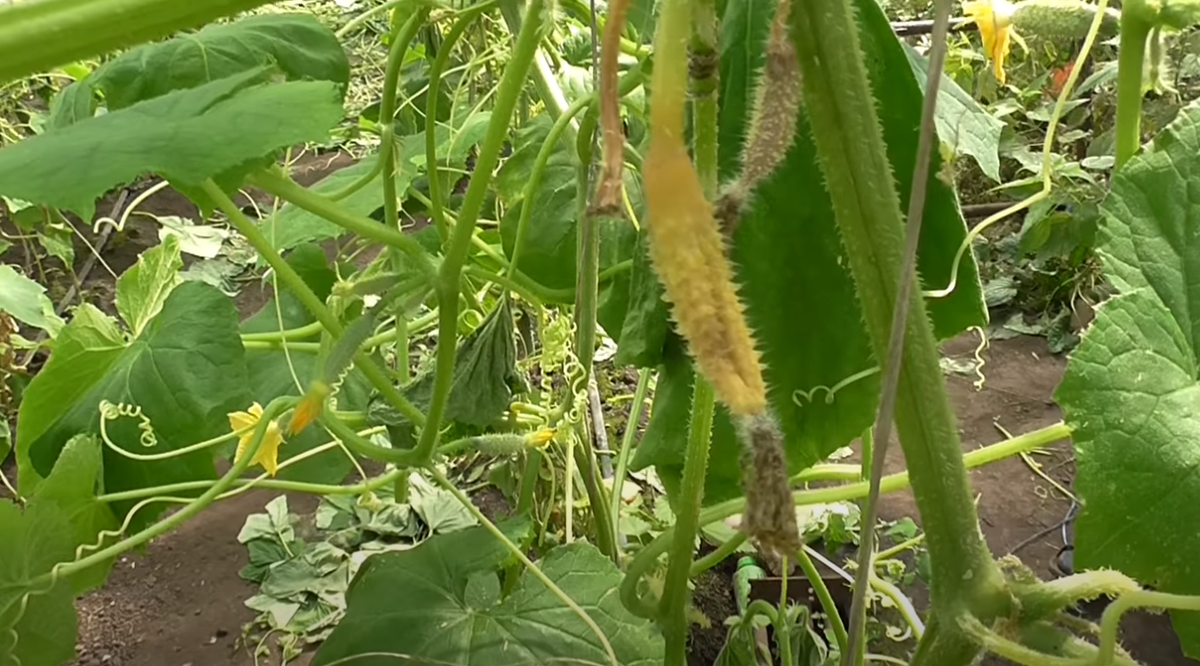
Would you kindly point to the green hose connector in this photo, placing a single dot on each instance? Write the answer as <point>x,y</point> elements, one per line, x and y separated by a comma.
<point>747,572</point>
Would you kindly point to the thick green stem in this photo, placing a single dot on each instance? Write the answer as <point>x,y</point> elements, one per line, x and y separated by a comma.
<point>39,35</point>
<point>387,113</point>
<point>605,531</point>
<point>705,57</point>
<point>292,280</point>
<point>436,205</point>
<point>365,447</point>
<point>275,183</point>
<point>266,484</point>
<point>673,608</point>
<point>833,617</point>
<point>511,85</point>
<point>290,335</point>
<point>1135,30</point>
<point>718,556</point>
<point>850,145</point>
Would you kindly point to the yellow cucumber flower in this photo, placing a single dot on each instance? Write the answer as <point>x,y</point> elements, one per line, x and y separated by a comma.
<point>268,451</point>
<point>993,18</point>
<point>309,407</point>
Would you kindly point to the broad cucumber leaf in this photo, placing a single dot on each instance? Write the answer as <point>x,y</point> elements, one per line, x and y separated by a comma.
<point>298,44</point>
<point>1130,391</point>
<point>186,136</point>
<point>962,124</point>
<point>71,488</point>
<point>27,301</point>
<point>795,279</point>
<point>270,371</point>
<point>452,611</point>
<point>186,372</point>
<point>549,253</point>
<point>42,631</point>
<point>142,290</point>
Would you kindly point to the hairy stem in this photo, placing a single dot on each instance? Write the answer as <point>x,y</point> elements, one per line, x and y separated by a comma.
<point>674,604</point>
<point>449,274</point>
<point>891,373</point>
<point>436,205</point>
<point>1135,30</point>
<point>387,113</point>
<point>859,178</point>
<point>39,35</point>
<point>704,59</point>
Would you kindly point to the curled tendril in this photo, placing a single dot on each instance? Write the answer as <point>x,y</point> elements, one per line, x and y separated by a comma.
<point>111,412</point>
<point>801,397</point>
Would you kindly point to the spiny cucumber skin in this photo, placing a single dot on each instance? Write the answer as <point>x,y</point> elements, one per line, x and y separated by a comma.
<point>770,514</point>
<point>772,130</point>
<point>500,444</point>
<point>1062,18</point>
<point>688,253</point>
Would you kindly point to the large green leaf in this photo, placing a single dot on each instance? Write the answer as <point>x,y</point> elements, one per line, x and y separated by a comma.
<point>185,371</point>
<point>27,301</point>
<point>962,124</point>
<point>800,298</point>
<point>186,136</point>
<point>298,44</point>
<point>142,290</point>
<point>485,378</point>
<point>549,252</point>
<point>451,610</point>
<point>1130,392</point>
<point>72,488</point>
<point>41,631</point>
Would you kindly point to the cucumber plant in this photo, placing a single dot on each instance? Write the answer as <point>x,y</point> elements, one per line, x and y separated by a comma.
<point>754,256</point>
